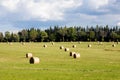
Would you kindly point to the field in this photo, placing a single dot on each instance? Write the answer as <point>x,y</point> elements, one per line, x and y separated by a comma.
<point>100,62</point>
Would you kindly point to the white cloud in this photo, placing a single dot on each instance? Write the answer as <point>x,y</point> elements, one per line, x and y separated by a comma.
<point>10,5</point>
<point>107,19</point>
<point>96,4</point>
<point>50,12</point>
<point>42,10</point>
<point>118,24</point>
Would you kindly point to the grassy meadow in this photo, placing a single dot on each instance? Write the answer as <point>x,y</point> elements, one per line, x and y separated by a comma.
<point>100,62</point>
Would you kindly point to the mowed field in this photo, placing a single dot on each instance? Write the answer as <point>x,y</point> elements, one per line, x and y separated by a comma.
<point>100,62</point>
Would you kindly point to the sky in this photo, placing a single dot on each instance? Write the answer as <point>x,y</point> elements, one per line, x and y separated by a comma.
<point>16,15</point>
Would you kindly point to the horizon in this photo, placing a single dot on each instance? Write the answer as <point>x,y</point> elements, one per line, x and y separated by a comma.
<point>53,27</point>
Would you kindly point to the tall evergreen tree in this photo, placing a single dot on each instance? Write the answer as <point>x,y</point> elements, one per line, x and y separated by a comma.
<point>1,37</point>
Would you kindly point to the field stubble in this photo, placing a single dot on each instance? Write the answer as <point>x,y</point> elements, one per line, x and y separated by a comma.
<point>98,62</point>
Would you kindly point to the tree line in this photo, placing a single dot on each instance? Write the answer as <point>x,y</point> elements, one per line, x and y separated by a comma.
<point>62,34</point>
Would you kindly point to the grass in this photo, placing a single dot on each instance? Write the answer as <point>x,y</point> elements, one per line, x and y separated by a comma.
<point>100,62</point>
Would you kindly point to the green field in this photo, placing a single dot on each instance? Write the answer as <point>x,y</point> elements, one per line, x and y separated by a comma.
<point>100,62</point>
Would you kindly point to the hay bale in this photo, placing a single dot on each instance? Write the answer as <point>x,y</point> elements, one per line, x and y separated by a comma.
<point>8,42</point>
<point>74,46</point>
<point>79,42</point>
<point>89,45</point>
<point>11,43</point>
<point>76,55</point>
<point>29,55</point>
<point>117,42</point>
<point>113,45</point>
<point>34,60</point>
<point>66,49</point>
<point>53,43</point>
<point>23,43</point>
<point>100,43</point>
<point>45,46</point>
<point>61,47</point>
<point>72,53</point>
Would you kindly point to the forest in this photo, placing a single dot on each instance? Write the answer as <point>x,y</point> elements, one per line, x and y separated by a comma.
<point>64,34</point>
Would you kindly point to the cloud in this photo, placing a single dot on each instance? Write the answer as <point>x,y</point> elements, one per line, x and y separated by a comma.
<point>42,10</point>
<point>96,4</point>
<point>99,7</point>
<point>18,14</point>
<point>10,5</point>
<point>107,19</point>
<point>118,24</point>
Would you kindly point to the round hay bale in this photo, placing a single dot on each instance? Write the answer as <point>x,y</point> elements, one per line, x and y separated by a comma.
<point>34,60</point>
<point>23,43</point>
<point>74,46</point>
<point>66,49</point>
<point>53,43</point>
<point>113,45</point>
<point>79,42</point>
<point>29,55</point>
<point>10,43</point>
<point>45,46</point>
<point>61,47</point>
<point>76,55</point>
<point>117,42</point>
<point>72,53</point>
<point>89,45</point>
<point>100,43</point>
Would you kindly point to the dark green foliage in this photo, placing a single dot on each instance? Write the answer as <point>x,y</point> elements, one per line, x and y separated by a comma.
<point>58,34</point>
<point>1,37</point>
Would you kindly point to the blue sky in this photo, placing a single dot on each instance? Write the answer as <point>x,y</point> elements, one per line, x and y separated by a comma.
<point>16,15</point>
